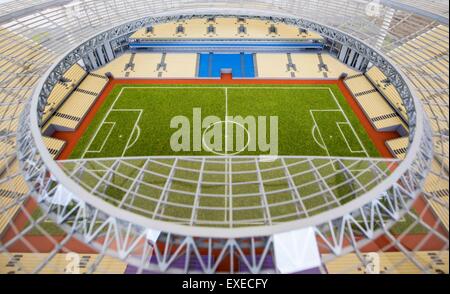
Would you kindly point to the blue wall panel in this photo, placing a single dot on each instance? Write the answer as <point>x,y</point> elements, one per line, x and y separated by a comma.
<point>211,64</point>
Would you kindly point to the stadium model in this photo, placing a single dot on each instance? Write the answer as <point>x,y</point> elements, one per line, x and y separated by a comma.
<point>295,136</point>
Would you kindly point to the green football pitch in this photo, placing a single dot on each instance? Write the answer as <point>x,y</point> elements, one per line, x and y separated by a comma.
<point>135,120</point>
<point>313,120</point>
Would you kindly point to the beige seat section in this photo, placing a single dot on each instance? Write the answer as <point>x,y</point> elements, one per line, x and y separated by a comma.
<point>398,147</point>
<point>25,263</point>
<point>304,66</point>
<point>116,67</point>
<point>437,192</point>
<point>336,67</point>
<point>75,108</point>
<point>54,146</point>
<point>376,108</point>
<point>225,28</point>
<point>152,65</point>
<point>145,65</point>
<point>272,65</point>
<point>388,90</point>
<point>11,192</point>
<point>180,65</point>
<point>71,79</point>
<point>307,65</point>
<point>389,262</point>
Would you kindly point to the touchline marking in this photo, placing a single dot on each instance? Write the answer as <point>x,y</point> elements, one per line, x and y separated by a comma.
<point>226,121</point>
<point>229,87</point>
<point>127,110</point>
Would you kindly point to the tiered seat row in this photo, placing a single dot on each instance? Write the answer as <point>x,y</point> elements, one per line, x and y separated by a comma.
<point>388,90</point>
<point>440,209</point>
<point>224,28</point>
<point>441,150</point>
<point>273,65</point>
<point>7,148</point>
<point>335,67</point>
<point>435,184</point>
<point>418,51</point>
<point>377,109</point>
<point>184,65</point>
<point>145,65</point>
<point>398,147</point>
<point>425,60</point>
<point>25,263</point>
<point>300,65</point>
<point>69,116</point>
<point>152,65</point>
<point>116,66</point>
<point>180,65</point>
<point>10,193</point>
<point>54,146</point>
<point>386,262</point>
<point>437,192</point>
<point>307,65</point>
<point>93,84</point>
<point>71,79</point>
<point>358,84</point>
<point>21,59</point>
<point>75,108</point>
<point>389,262</point>
<point>12,96</point>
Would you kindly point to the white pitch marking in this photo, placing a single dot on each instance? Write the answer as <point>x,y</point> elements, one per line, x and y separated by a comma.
<point>226,121</point>
<point>237,87</point>
<point>315,139</point>
<point>348,121</point>
<point>134,127</point>
<point>318,129</point>
<point>137,137</point>
<point>345,138</point>
<point>103,121</point>
<point>105,140</point>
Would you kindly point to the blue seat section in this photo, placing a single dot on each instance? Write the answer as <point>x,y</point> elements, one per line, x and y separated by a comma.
<point>204,66</point>
<point>249,66</point>
<point>211,64</point>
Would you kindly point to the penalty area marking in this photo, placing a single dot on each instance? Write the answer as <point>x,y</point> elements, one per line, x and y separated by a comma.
<point>362,150</point>
<point>104,141</point>
<point>316,125</point>
<point>127,146</point>
<point>103,121</point>
<point>347,122</point>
